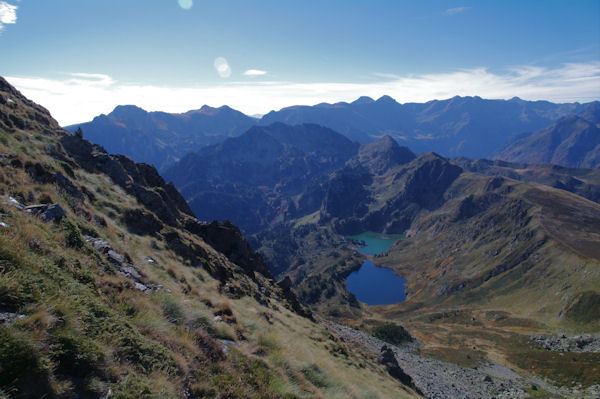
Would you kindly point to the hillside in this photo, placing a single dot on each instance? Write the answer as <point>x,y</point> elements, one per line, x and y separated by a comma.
<point>467,126</point>
<point>573,141</point>
<point>161,138</point>
<point>489,260</point>
<point>583,182</point>
<point>110,287</point>
<point>256,179</point>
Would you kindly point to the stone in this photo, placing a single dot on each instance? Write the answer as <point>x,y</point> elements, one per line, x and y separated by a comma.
<point>115,257</point>
<point>36,209</point>
<point>8,317</point>
<point>13,202</point>
<point>53,213</point>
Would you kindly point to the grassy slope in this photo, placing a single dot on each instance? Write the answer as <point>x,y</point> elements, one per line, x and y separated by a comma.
<point>515,267</point>
<point>86,331</point>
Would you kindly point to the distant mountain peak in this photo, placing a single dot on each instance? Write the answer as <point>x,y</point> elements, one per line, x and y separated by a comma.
<point>386,99</point>
<point>127,111</point>
<point>383,154</point>
<point>363,100</point>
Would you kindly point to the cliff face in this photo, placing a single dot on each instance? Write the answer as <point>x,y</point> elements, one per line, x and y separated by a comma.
<point>381,193</point>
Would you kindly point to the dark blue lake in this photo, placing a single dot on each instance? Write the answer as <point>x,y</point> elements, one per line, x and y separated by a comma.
<point>376,285</point>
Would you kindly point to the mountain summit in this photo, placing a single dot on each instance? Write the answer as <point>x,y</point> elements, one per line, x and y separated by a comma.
<point>572,141</point>
<point>161,138</point>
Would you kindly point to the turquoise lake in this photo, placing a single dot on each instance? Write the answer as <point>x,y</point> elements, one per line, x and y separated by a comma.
<point>375,243</point>
<point>376,285</point>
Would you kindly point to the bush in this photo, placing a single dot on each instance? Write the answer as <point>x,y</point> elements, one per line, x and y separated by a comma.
<point>173,311</point>
<point>392,334</point>
<point>73,237</point>
<point>22,371</point>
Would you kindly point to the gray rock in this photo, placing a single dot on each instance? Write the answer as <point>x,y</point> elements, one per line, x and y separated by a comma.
<point>13,202</point>
<point>36,209</point>
<point>115,257</point>
<point>9,317</point>
<point>54,212</point>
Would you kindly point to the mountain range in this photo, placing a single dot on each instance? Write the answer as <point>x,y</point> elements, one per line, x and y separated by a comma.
<point>161,138</point>
<point>460,126</point>
<point>572,141</point>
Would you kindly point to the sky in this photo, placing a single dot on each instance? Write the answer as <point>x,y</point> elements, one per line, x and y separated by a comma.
<point>81,58</point>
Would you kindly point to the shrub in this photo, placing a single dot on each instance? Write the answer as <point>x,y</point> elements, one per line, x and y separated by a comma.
<point>392,334</point>
<point>21,368</point>
<point>315,375</point>
<point>76,355</point>
<point>173,311</point>
<point>73,237</point>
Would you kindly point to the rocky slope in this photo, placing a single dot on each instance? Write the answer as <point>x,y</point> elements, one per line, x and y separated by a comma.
<point>161,138</point>
<point>573,141</point>
<point>583,182</point>
<point>110,287</point>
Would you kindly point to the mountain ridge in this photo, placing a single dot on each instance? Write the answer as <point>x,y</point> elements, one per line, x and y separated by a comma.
<point>467,126</point>
<point>572,141</point>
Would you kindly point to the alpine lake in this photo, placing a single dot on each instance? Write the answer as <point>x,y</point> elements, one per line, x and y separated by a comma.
<point>371,284</point>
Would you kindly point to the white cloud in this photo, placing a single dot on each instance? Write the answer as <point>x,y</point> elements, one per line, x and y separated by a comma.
<point>456,10</point>
<point>222,67</point>
<point>80,97</point>
<point>8,14</point>
<point>254,72</point>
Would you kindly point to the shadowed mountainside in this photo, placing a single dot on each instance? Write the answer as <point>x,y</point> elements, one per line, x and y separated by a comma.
<point>161,138</point>
<point>258,179</point>
<point>468,126</point>
<point>573,141</point>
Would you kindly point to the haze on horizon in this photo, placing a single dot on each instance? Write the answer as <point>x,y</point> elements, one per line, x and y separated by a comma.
<point>81,59</point>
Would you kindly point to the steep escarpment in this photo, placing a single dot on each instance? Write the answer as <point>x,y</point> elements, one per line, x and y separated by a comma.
<point>583,182</point>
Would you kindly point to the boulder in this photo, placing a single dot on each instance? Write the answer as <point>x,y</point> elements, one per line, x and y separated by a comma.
<point>54,213</point>
<point>388,359</point>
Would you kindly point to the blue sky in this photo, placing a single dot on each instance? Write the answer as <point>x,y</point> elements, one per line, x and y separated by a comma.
<point>81,58</point>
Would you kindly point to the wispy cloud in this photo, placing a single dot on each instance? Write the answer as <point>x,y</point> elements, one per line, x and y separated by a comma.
<point>255,72</point>
<point>8,14</point>
<point>456,10</point>
<point>80,97</point>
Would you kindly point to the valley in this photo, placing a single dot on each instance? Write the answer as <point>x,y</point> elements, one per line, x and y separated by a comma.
<point>430,275</point>
<point>492,252</point>
<point>300,199</point>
